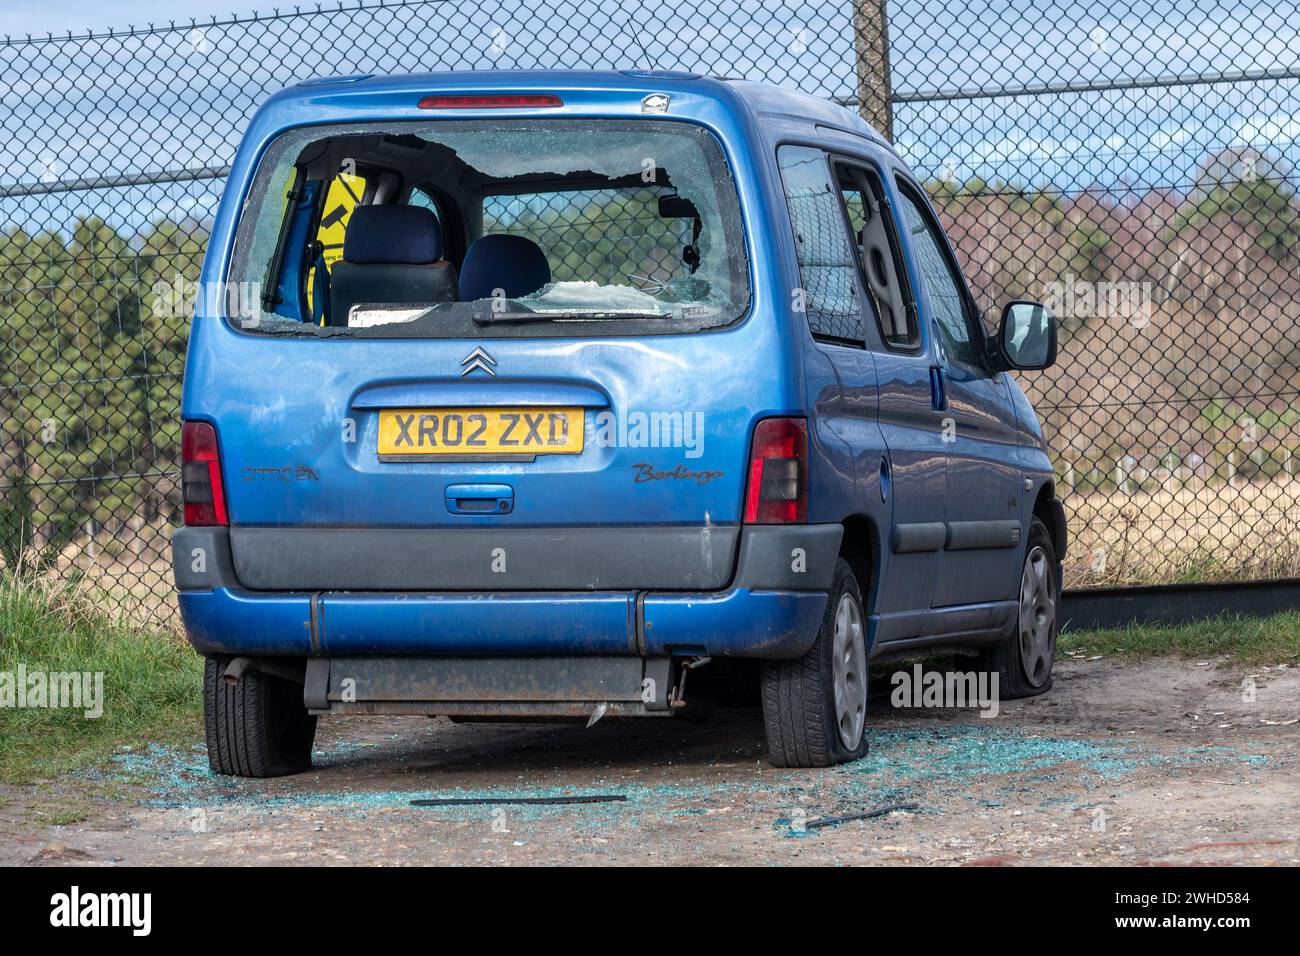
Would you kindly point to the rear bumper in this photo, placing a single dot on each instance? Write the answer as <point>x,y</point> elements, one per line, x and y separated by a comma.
<point>734,623</point>
<point>771,608</point>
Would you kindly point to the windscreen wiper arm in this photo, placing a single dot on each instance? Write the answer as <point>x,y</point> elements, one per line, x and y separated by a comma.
<point>492,318</point>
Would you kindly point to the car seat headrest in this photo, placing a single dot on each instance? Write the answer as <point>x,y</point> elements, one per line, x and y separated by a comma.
<point>408,235</point>
<point>513,264</point>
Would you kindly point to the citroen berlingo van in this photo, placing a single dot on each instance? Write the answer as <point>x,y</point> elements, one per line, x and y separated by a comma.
<point>556,395</point>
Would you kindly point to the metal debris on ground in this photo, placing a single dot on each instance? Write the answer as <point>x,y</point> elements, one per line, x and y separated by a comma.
<point>864,815</point>
<point>520,801</point>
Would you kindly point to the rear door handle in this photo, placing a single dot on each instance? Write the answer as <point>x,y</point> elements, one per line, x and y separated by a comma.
<point>938,389</point>
<point>479,499</point>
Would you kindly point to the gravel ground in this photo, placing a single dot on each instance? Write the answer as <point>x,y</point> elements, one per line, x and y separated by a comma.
<point>1121,763</point>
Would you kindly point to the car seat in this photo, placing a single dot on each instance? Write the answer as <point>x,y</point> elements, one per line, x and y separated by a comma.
<point>391,255</point>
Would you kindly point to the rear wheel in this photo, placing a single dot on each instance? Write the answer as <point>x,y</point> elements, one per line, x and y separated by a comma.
<point>814,707</point>
<point>257,726</point>
<point>1023,661</point>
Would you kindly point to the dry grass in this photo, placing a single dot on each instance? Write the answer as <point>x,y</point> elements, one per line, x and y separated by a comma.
<point>132,575</point>
<point>1250,531</point>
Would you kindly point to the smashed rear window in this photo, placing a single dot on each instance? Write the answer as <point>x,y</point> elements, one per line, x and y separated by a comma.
<point>504,227</point>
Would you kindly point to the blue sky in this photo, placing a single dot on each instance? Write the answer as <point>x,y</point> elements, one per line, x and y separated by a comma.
<point>20,17</point>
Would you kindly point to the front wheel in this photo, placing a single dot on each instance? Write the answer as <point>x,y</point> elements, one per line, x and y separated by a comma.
<point>815,707</point>
<point>1023,661</point>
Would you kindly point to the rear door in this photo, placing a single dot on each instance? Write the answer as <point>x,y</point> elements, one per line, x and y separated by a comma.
<point>914,466</point>
<point>563,446</point>
<point>983,498</point>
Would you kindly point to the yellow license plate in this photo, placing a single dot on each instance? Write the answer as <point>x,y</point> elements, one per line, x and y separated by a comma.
<point>502,433</point>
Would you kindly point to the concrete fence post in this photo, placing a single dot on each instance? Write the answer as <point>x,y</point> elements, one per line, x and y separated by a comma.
<point>871,48</point>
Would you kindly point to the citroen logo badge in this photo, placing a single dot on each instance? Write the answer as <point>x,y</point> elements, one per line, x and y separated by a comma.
<point>478,361</point>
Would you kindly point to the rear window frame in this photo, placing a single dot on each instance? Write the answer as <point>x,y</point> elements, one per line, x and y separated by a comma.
<point>741,272</point>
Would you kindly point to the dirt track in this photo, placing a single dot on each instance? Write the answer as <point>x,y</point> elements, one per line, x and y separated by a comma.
<point>1161,762</point>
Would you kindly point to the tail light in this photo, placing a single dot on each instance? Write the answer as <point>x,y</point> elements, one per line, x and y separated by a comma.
<point>777,492</point>
<point>205,500</point>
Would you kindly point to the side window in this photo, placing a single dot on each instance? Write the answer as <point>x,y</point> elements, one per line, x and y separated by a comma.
<point>937,272</point>
<point>422,199</point>
<point>879,255</point>
<point>856,206</point>
<point>827,258</point>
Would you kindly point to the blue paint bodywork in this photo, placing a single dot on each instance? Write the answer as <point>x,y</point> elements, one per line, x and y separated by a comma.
<point>876,454</point>
<point>732,623</point>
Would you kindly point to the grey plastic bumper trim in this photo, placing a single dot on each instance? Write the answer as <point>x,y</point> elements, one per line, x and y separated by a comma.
<point>483,559</point>
<point>201,559</point>
<point>788,557</point>
<point>771,558</point>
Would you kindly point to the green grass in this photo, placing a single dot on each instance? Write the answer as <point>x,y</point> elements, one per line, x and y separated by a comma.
<point>61,812</point>
<point>1245,641</point>
<point>152,689</point>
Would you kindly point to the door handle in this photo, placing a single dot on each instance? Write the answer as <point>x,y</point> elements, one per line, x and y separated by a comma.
<point>479,499</point>
<point>938,389</point>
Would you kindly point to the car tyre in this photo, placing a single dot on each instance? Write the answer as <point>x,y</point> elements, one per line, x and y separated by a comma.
<point>1023,660</point>
<point>257,726</point>
<point>814,707</point>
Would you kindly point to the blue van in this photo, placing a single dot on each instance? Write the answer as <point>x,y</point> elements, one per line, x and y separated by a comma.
<point>565,395</point>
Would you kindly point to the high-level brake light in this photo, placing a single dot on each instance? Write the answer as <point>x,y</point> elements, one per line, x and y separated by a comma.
<point>479,101</point>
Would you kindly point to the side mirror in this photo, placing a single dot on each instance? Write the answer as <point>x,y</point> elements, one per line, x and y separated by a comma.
<point>1027,335</point>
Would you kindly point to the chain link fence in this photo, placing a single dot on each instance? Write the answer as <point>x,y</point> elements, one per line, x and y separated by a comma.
<point>1133,166</point>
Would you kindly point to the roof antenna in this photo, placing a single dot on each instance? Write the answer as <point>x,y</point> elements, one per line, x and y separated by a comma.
<point>627,27</point>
